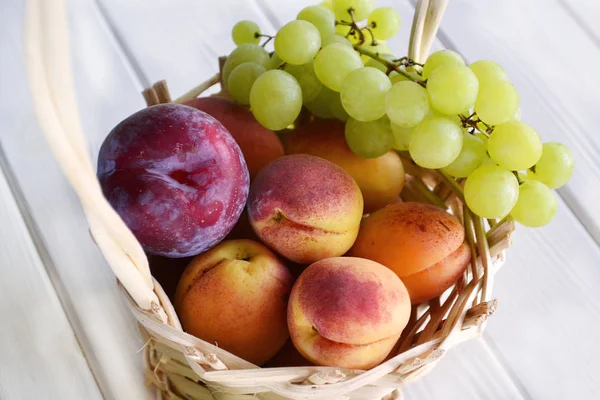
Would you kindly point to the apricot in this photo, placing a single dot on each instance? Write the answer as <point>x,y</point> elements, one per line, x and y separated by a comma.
<point>347,312</point>
<point>305,208</point>
<point>235,295</point>
<point>421,243</point>
<point>259,145</point>
<point>380,179</point>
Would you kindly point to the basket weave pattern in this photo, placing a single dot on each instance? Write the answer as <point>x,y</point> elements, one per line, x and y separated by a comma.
<point>180,366</point>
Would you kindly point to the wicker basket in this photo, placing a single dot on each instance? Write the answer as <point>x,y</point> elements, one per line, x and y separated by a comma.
<point>179,365</point>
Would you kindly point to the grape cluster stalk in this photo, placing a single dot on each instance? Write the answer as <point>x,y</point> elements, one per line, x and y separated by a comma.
<point>333,62</point>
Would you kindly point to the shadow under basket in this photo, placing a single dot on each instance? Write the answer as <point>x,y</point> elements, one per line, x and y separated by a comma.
<point>181,366</point>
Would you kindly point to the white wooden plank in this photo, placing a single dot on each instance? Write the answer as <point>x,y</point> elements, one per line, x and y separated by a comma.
<point>586,13</point>
<point>553,62</point>
<point>180,40</point>
<point>40,355</point>
<point>459,376</point>
<point>104,327</point>
<point>468,371</point>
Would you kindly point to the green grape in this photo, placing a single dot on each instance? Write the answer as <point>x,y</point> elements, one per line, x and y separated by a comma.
<point>384,22</point>
<point>452,89</point>
<point>536,205</point>
<point>335,39</point>
<point>488,72</point>
<point>452,117</point>
<point>401,137</point>
<point>406,104</point>
<point>297,42</point>
<point>305,75</point>
<point>274,62</point>
<point>517,115</point>
<point>337,109</point>
<point>241,80</point>
<point>435,143</point>
<point>342,30</point>
<point>371,62</point>
<point>395,77</point>
<point>471,156</point>
<point>320,106</point>
<point>370,139</point>
<point>483,137</point>
<point>555,166</point>
<point>440,58</point>
<point>276,99</point>
<point>321,17</point>
<point>491,191</point>
<point>327,3</point>
<point>380,47</point>
<point>487,160</point>
<point>247,52</point>
<point>515,145</point>
<point>497,102</point>
<point>362,9</point>
<point>245,32</point>
<point>333,64</point>
<point>363,93</point>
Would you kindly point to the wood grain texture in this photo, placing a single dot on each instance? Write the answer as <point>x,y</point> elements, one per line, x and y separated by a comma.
<point>103,325</point>
<point>40,356</point>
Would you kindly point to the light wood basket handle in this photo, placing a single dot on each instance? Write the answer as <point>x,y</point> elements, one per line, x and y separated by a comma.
<point>426,22</point>
<point>53,95</point>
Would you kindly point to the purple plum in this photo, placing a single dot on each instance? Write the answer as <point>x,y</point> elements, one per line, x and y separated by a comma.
<point>176,177</point>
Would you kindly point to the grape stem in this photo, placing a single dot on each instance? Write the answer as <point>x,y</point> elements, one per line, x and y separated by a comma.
<point>387,63</point>
<point>516,174</point>
<point>471,122</point>
<point>269,38</point>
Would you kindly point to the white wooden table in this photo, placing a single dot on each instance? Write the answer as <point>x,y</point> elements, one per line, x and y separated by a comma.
<point>65,332</point>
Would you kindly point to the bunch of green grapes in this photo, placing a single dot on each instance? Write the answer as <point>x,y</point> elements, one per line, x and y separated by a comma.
<point>315,65</point>
<point>333,62</point>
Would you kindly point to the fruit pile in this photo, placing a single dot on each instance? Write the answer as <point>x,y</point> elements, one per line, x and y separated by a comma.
<point>309,239</point>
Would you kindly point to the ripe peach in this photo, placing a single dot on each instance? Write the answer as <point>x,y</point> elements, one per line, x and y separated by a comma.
<point>235,295</point>
<point>259,145</point>
<point>380,179</point>
<point>305,208</point>
<point>347,312</point>
<point>421,243</point>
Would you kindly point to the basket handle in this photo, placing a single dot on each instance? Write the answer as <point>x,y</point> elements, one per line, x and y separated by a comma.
<point>426,22</point>
<point>53,96</point>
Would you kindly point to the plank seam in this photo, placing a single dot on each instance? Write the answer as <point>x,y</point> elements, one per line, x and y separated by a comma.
<point>46,260</point>
<point>582,23</point>
<point>131,64</point>
<point>490,345</point>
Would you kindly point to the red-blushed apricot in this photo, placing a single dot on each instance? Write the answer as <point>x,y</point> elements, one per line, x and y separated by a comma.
<point>347,312</point>
<point>305,208</point>
<point>259,145</point>
<point>409,238</point>
<point>380,179</point>
<point>235,295</point>
<point>433,281</point>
